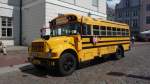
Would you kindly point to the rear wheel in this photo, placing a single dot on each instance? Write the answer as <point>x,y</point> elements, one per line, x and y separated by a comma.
<point>119,53</point>
<point>67,64</point>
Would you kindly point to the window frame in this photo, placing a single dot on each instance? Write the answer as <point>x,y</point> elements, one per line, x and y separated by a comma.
<point>114,31</point>
<point>96,27</point>
<point>118,31</point>
<point>87,29</point>
<point>7,27</point>
<point>103,30</point>
<point>109,31</point>
<point>126,32</point>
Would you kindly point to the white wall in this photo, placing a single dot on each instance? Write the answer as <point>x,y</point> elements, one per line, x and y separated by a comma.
<point>37,13</point>
<point>53,7</point>
<point>102,7</point>
<point>33,15</point>
<point>86,4</point>
<point>68,1</point>
<point>10,8</point>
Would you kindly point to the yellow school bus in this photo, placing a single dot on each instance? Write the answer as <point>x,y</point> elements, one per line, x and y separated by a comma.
<point>74,39</point>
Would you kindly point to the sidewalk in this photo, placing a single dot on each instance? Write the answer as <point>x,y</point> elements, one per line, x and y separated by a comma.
<point>140,44</point>
<point>17,48</point>
<point>15,55</point>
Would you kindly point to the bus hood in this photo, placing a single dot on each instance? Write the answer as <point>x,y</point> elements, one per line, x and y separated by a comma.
<point>55,41</point>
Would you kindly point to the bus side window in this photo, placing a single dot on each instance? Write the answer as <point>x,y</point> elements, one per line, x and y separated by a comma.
<point>114,31</point>
<point>78,28</point>
<point>96,30</point>
<point>123,32</point>
<point>86,29</point>
<point>109,31</point>
<point>118,32</point>
<point>103,30</point>
<point>126,32</point>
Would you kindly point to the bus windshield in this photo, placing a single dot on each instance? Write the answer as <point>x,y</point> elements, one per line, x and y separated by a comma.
<point>67,29</point>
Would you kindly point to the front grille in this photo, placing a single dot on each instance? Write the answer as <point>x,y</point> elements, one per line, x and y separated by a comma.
<point>37,46</point>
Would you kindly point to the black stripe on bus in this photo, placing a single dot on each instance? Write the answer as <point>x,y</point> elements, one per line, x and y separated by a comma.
<point>105,41</point>
<point>103,36</point>
<point>88,47</point>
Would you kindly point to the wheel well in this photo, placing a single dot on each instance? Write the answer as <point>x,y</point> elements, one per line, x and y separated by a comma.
<point>72,52</point>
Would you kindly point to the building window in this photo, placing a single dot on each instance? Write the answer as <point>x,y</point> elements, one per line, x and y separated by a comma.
<point>148,7</point>
<point>148,20</point>
<point>6,27</point>
<point>135,13</point>
<point>127,13</point>
<point>95,3</point>
<point>127,3</point>
<point>135,23</point>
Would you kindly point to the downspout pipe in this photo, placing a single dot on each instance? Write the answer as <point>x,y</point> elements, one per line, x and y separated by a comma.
<point>20,36</point>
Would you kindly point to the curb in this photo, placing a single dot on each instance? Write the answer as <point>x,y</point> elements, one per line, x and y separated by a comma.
<point>8,69</point>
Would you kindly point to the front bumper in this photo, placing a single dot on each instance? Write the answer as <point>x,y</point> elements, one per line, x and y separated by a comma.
<point>42,61</point>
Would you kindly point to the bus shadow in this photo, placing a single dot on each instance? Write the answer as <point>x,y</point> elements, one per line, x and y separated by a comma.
<point>30,69</point>
<point>44,72</point>
<point>95,62</point>
<point>120,74</point>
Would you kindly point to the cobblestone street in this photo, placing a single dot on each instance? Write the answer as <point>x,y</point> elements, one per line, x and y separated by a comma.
<point>133,69</point>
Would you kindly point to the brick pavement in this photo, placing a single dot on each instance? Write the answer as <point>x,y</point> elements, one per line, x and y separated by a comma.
<point>16,55</point>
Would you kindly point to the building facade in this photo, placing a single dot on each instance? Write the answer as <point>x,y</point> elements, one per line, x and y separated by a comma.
<point>37,13</point>
<point>136,13</point>
<point>145,15</point>
<point>27,17</point>
<point>9,21</point>
<point>110,13</point>
<point>128,11</point>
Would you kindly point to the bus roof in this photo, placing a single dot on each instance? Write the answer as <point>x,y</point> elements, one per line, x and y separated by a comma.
<point>95,21</point>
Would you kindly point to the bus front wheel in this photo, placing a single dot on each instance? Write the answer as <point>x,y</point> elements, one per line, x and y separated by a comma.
<point>119,53</point>
<point>66,64</point>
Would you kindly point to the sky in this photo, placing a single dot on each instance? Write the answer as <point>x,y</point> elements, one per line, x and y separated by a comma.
<point>112,3</point>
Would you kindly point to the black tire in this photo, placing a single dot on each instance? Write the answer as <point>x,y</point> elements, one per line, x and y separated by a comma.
<point>66,64</point>
<point>39,67</point>
<point>119,53</point>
